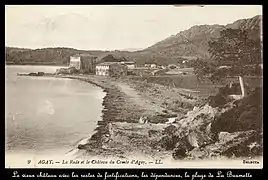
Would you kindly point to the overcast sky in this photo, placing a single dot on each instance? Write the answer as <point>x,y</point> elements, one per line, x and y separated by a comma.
<point>110,27</point>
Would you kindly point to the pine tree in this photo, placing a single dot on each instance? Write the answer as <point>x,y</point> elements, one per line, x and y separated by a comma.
<point>233,54</point>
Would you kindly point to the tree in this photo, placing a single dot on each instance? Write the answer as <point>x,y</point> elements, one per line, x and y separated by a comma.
<point>233,54</point>
<point>172,66</point>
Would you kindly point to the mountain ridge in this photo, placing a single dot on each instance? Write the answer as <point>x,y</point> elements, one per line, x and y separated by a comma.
<point>191,43</point>
<point>194,41</point>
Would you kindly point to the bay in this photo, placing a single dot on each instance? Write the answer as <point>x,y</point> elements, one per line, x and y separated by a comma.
<point>48,115</point>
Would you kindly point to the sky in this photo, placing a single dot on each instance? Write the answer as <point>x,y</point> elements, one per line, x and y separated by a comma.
<point>113,27</point>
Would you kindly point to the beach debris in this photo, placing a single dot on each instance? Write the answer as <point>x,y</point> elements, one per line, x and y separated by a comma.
<point>143,120</point>
<point>171,120</point>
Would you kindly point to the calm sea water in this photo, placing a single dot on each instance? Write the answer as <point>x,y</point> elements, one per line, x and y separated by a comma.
<point>48,115</point>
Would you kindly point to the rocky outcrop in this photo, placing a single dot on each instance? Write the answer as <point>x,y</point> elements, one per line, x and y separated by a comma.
<point>65,71</point>
<point>34,74</point>
<point>125,140</point>
<point>234,129</point>
<point>237,144</point>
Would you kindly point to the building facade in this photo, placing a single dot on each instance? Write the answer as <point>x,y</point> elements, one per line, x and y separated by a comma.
<point>83,62</point>
<point>102,70</point>
<point>75,61</point>
<point>111,69</point>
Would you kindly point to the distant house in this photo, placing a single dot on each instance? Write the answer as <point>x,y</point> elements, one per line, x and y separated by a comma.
<point>83,62</point>
<point>129,64</point>
<point>111,69</point>
<point>150,65</point>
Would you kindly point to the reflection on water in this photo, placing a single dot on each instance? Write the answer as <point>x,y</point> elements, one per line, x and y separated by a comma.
<point>46,108</point>
<point>48,115</point>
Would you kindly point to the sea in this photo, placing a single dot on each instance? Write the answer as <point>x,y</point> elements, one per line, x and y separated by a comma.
<point>46,115</point>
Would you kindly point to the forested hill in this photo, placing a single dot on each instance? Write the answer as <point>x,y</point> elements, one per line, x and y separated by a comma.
<point>46,56</point>
<point>188,44</point>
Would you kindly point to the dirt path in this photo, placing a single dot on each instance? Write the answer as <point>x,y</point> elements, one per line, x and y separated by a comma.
<point>139,100</point>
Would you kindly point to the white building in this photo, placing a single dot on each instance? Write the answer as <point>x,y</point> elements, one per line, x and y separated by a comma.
<point>129,64</point>
<point>75,61</point>
<point>110,69</point>
<point>102,69</point>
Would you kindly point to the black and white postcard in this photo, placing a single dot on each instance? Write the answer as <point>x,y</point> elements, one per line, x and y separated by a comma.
<point>133,86</point>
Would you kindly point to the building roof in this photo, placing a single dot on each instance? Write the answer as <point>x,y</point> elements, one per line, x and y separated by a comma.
<point>127,62</point>
<point>83,55</point>
<point>107,63</point>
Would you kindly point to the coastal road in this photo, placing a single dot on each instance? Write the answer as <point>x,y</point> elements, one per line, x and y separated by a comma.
<point>140,101</point>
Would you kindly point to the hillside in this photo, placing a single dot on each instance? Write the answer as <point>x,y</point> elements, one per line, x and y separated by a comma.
<point>188,44</point>
<point>46,56</point>
<point>194,41</point>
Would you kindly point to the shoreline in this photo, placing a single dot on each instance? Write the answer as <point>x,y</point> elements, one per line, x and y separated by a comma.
<point>117,110</point>
<point>123,105</point>
<point>120,134</point>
